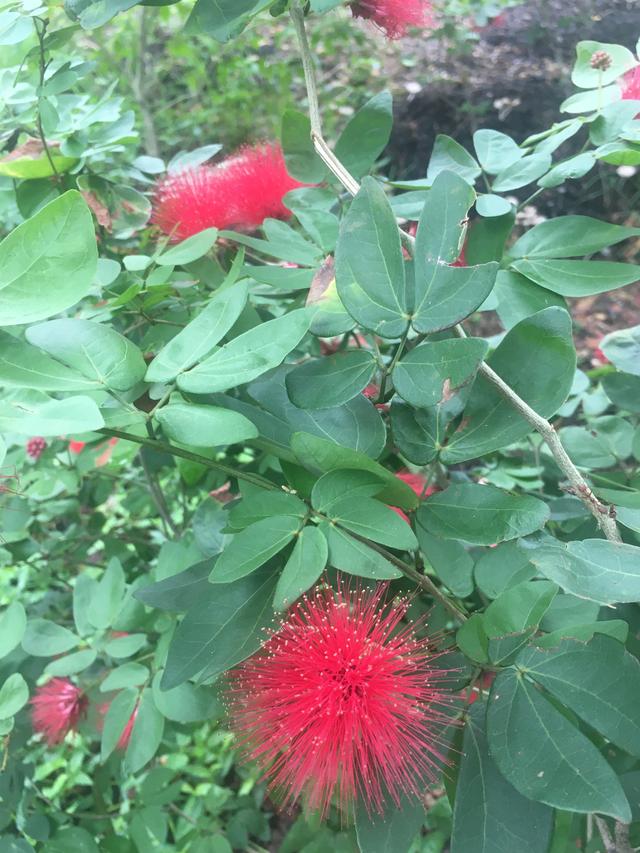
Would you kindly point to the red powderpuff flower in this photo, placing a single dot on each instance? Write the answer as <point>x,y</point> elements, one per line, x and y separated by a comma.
<point>419,485</point>
<point>394,17</point>
<point>36,447</point>
<point>341,701</point>
<point>57,709</point>
<point>630,85</point>
<point>76,446</point>
<point>240,192</point>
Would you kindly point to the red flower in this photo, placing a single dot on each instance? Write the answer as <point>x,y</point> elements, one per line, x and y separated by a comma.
<point>341,701</point>
<point>630,85</point>
<point>599,358</point>
<point>105,456</point>
<point>36,447</point>
<point>416,482</point>
<point>240,192</point>
<point>123,740</point>
<point>76,446</point>
<point>394,17</point>
<point>57,709</point>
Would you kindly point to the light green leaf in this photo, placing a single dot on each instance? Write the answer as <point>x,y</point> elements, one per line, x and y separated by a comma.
<point>118,714</point>
<point>623,349</point>
<point>187,703</point>
<point>71,664</point>
<point>595,569</point>
<point>13,622</point>
<point>253,546</point>
<point>303,568</point>
<point>107,595</point>
<point>93,349</point>
<point>200,336</point>
<point>127,675</point>
<point>47,263</point>
<point>204,426</point>
<point>483,515</point>
<point>247,356</point>
<point>519,298</point>
<point>521,173</point>
<point>188,250</point>
<point>24,366</point>
<point>449,155</point>
<point>302,161</point>
<point>14,695</point>
<point>33,413</point>
<point>43,638</point>
<point>587,77</point>
<point>146,734</point>
<point>496,151</point>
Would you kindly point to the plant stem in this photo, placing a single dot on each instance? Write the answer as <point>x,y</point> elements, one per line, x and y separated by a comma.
<point>161,447</point>
<point>579,486</point>
<point>605,835</point>
<point>43,67</point>
<point>389,369</point>
<point>158,496</point>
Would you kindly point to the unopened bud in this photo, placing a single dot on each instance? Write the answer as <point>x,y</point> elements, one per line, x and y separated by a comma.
<point>601,60</point>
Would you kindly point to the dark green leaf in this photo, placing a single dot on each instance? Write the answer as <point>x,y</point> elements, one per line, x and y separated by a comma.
<point>253,546</point>
<point>431,372</point>
<point>392,832</point>
<point>490,816</point>
<point>302,161</point>
<point>324,383</point>
<point>445,295</point>
<point>146,733</point>
<point>366,135</point>
<point>623,389</point>
<point>349,555</point>
<point>186,703</point>
<point>339,485</point>
<point>449,155</point>
<point>500,568</point>
<point>577,278</point>
<point>519,298</point>
<point>303,568</point>
<point>258,504</point>
<point>442,225</point>
<point>545,756</point>
<point>450,561</point>
<point>178,592</point>
<point>373,520</point>
<point>222,19</point>
<point>483,515</point>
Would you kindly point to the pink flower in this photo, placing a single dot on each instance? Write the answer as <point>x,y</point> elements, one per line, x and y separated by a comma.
<point>630,85</point>
<point>125,737</point>
<point>36,447</point>
<point>57,708</point>
<point>77,446</point>
<point>239,192</point>
<point>105,456</point>
<point>394,17</point>
<point>416,482</point>
<point>599,358</point>
<point>342,701</point>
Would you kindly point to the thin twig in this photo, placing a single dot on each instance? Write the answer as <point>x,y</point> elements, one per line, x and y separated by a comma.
<point>579,486</point>
<point>623,843</point>
<point>161,447</point>
<point>43,67</point>
<point>158,496</point>
<point>605,835</point>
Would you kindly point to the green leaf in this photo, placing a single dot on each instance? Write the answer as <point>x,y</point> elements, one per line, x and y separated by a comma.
<point>472,639</point>
<point>449,155</point>
<point>544,756</point>
<point>43,638</point>
<point>322,455</point>
<point>200,336</point>
<point>302,161</point>
<point>490,422</point>
<point>339,485</point>
<point>577,278</point>
<point>222,629</point>
<point>47,263</point>
<point>450,561</point>
<point>420,433</point>
<point>93,349</point>
<point>124,647</point>
<point>107,596</point>
<point>355,558</point>
<point>118,715</point>
<point>178,592</point>
<point>34,413</point>
<point>24,366</point>
<point>258,504</point>
<point>622,348</point>
<point>587,77</point>
<point>432,371</point>
<point>71,839</point>
<point>519,298</point>
<point>490,816</point>
<point>442,223</point>
<point>521,173</point>
<point>496,151</point>
<point>445,295</point>
<point>373,520</point>
<point>500,568</point>
<point>490,206</point>
<point>514,616</point>
<point>127,675</point>
<point>303,568</point>
<point>222,19</point>
<point>253,546</point>
<point>568,237</point>
<point>393,831</point>
<point>71,664</point>
<point>595,569</point>
<point>203,426</point>
<point>14,695</point>
<point>13,623</point>
<point>599,681</point>
<point>623,389</point>
<point>283,243</point>
<point>247,356</point>
<point>186,703</point>
<point>482,515</point>
<point>370,274</point>
<point>188,250</point>
<point>366,135</point>
<point>331,381</point>
<point>146,734</point>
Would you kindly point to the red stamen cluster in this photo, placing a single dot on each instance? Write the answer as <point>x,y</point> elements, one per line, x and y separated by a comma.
<point>239,193</point>
<point>36,447</point>
<point>394,17</point>
<point>58,707</point>
<point>341,701</point>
